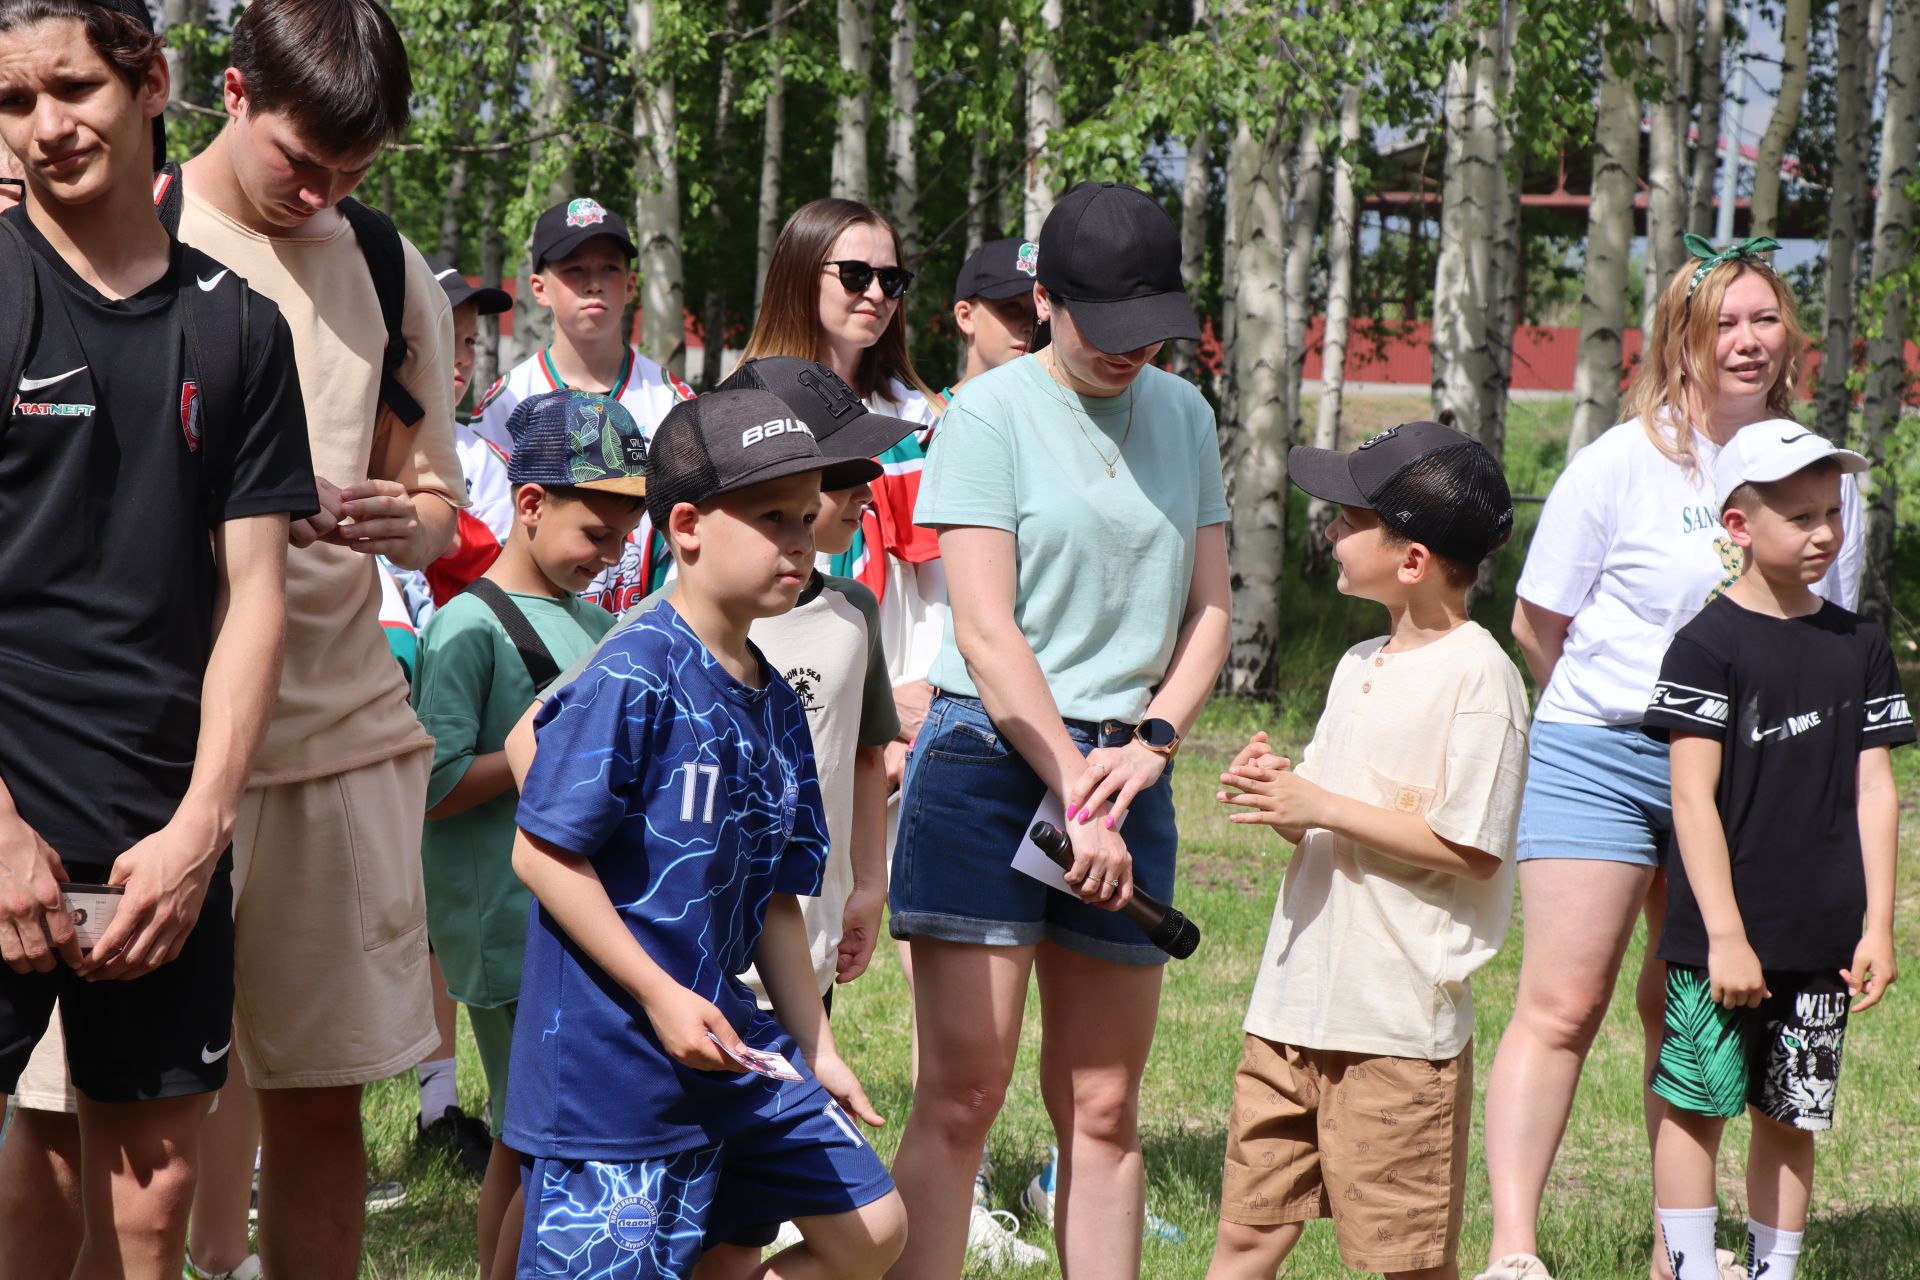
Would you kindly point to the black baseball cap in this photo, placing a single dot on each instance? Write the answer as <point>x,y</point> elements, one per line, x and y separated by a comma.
<point>137,10</point>
<point>722,442</point>
<point>997,270</point>
<point>849,434</point>
<point>577,439</point>
<point>1429,484</point>
<point>491,301</point>
<point>1112,255</point>
<point>572,223</point>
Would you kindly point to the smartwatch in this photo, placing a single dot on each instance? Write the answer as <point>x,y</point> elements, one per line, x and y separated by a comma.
<point>1158,736</point>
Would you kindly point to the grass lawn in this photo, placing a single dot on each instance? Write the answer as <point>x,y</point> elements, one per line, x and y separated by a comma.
<point>1866,1223</point>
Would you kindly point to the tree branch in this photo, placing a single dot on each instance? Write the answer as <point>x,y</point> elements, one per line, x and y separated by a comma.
<point>473,148</point>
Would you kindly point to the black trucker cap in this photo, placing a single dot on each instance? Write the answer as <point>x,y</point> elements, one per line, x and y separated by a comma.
<point>137,10</point>
<point>1429,484</point>
<point>491,301</point>
<point>572,223</point>
<point>1112,255</point>
<point>997,270</point>
<point>721,442</point>
<point>850,435</point>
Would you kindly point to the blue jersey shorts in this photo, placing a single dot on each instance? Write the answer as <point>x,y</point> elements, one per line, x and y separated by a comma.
<point>642,1219</point>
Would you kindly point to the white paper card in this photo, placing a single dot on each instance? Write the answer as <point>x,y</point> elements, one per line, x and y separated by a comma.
<point>1029,861</point>
<point>92,908</point>
<point>763,1062</point>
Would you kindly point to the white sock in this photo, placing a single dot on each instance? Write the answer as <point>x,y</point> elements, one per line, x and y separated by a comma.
<point>438,1089</point>
<point>1771,1252</point>
<point>1690,1242</point>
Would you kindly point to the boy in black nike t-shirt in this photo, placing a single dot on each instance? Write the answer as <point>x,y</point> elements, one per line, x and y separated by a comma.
<point>1781,709</point>
<point>141,615</point>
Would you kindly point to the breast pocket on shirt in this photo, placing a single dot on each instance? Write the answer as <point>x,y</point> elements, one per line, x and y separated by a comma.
<point>1398,796</point>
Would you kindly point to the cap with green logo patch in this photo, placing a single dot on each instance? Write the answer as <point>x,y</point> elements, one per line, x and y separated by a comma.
<point>572,223</point>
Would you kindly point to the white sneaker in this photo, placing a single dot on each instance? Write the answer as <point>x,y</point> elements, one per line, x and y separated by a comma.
<point>1516,1266</point>
<point>249,1269</point>
<point>787,1237</point>
<point>1729,1263</point>
<point>993,1241</point>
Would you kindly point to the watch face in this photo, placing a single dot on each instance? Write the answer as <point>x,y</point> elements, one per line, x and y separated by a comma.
<point>1157,733</point>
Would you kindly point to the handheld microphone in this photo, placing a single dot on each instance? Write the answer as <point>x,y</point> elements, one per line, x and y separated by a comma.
<point>1165,927</point>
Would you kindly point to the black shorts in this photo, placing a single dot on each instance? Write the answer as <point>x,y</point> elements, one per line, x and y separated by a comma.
<point>166,1035</point>
<point>1782,1058</point>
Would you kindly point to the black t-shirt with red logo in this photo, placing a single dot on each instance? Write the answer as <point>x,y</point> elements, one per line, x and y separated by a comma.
<point>1793,702</point>
<point>107,572</point>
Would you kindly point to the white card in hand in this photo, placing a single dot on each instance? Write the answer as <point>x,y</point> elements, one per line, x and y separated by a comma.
<point>91,907</point>
<point>763,1062</point>
<point>1028,860</point>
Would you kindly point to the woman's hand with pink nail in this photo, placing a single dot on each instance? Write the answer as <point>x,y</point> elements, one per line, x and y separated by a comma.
<point>1113,776</point>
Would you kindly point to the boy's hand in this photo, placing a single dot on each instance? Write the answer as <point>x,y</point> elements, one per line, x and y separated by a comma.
<point>304,533</point>
<point>1734,977</point>
<point>682,1020</point>
<point>1259,750</point>
<point>166,877</point>
<point>859,933</point>
<point>377,517</point>
<point>36,932</point>
<point>1873,971</point>
<point>1273,794</point>
<point>837,1078</point>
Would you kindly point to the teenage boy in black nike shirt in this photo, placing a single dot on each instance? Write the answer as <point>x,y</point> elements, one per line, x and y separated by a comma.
<point>1781,709</point>
<point>141,615</point>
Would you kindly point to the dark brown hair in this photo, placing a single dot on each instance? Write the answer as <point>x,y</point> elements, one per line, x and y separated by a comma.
<point>336,68</point>
<point>789,319</point>
<point>121,41</point>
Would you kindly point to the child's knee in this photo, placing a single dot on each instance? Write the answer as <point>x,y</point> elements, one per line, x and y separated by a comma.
<point>1241,1248</point>
<point>862,1243</point>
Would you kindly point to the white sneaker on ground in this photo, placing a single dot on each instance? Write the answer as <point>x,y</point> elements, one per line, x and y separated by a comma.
<point>1730,1267</point>
<point>1516,1266</point>
<point>249,1269</point>
<point>787,1237</point>
<point>993,1241</point>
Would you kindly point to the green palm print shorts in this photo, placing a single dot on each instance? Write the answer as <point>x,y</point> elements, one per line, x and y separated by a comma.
<point>1782,1058</point>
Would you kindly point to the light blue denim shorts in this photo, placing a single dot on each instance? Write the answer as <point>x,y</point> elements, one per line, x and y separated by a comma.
<point>1595,791</point>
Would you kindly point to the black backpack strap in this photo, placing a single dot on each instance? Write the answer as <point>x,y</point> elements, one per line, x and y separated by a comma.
<point>536,656</point>
<point>387,261</point>
<point>17,313</point>
<point>167,197</point>
<point>216,325</point>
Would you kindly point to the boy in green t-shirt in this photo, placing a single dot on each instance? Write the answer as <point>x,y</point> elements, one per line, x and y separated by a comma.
<point>578,473</point>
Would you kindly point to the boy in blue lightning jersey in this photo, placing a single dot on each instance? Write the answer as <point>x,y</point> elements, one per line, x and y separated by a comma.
<point>669,818</point>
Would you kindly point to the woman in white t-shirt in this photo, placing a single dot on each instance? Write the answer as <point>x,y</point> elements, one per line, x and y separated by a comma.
<point>1629,547</point>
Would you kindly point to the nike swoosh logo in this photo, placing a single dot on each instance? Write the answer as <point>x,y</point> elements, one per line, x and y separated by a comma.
<point>211,1056</point>
<point>1790,439</point>
<point>207,283</point>
<point>1760,735</point>
<point>444,274</point>
<point>1875,717</point>
<point>34,384</point>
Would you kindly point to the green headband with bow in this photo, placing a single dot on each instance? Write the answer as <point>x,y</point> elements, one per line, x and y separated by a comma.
<point>1748,250</point>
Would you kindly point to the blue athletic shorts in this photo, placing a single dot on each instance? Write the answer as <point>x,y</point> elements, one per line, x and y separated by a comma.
<point>652,1219</point>
<point>1595,791</point>
<point>968,800</point>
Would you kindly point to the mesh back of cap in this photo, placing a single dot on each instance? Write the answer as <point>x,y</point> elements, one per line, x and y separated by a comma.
<point>1455,500</point>
<point>679,468</point>
<point>745,378</point>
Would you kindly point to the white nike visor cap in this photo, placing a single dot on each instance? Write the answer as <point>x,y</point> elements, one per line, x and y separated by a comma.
<point>1773,450</point>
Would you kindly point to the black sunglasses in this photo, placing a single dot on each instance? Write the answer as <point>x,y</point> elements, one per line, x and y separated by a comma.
<point>856,276</point>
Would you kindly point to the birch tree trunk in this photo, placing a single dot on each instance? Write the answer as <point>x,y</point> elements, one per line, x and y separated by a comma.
<point>1706,147</point>
<point>1341,234</point>
<point>1603,296</point>
<point>849,177</point>
<point>903,202</point>
<point>1666,194</point>
<point>1195,188</point>
<point>773,141</point>
<point>1786,115</point>
<point>1303,223</point>
<point>1463,293</point>
<point>978,170</point>
<point>656,180</point>
<point>1256,428</point>
<point>1893,230</point>
<point>1853,99</point>
<point>493,255</point>
<point>553,85</point>
<point>713,341</point>
<point>186,85</point>
<point>1043,116</point>
<point>1504,258</point>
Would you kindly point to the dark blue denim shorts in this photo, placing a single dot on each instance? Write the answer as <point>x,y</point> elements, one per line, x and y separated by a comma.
<point>967,802</point>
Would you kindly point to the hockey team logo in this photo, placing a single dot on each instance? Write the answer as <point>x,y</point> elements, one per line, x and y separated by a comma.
<point>190,414</point>
<point>1028,263</point>
<point>631,1223</point>
<point>1379,437</point>
<point>585,212</point>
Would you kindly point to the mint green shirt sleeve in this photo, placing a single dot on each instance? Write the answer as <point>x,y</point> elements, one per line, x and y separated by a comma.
<point>451,691</point>
<point>1206,444</point>
<point>970,474</point>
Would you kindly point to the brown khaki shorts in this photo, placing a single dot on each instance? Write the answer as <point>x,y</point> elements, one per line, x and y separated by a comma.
<point>1377,1144</point>
<point>330,928</point>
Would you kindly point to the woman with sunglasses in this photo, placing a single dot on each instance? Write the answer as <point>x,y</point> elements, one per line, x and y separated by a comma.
<point>1078,499</point>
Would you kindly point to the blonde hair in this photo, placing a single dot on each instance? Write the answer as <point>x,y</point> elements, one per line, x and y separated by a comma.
<point>1678,381</point>
<point>789,319</point>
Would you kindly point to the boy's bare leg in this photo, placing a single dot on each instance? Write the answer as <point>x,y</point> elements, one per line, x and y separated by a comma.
<point>497,1198</point>
<point>857,1245</point>
<point>217,1237</point>
<point>1242,1252</point>
<point>313,1182</point>
<point>136,1185</point>
<point>1650,1001</point>
<point>506,1250</point>
<point>728,1262</point>
<point>1779,1174</point>
<point>1446,1271</point>
<point>40,1220</point>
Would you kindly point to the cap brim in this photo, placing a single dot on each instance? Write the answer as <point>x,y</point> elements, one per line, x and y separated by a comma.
<point>632,486</point>
<point>780,471</point>
<point>851,472</point>
<point>1132,323</point>
<point>491,301</point>
<point>867,436</point>
<point>1001,290</point>
<point>563,246</point>
<point>1325,474</point>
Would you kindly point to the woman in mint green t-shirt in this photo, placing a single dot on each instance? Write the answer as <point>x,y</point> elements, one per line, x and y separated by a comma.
<point>1079,504</point>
